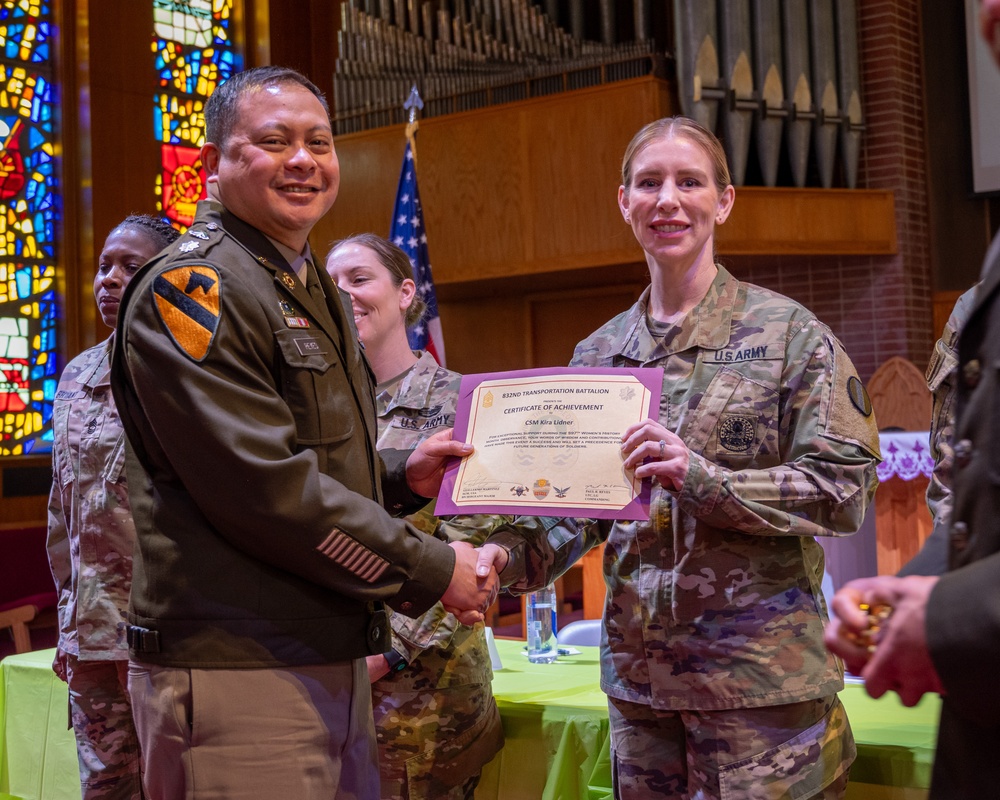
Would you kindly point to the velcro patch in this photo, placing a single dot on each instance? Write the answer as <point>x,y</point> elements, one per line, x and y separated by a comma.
<point>187,300</point>
<point>737,432</point>
<point>353,556</point>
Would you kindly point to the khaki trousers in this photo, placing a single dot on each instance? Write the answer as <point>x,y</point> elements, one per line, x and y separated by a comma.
<point>248,734</point>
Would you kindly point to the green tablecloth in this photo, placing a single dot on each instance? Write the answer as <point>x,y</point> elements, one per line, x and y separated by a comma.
<point>37,749</point>
<point>554,716</point>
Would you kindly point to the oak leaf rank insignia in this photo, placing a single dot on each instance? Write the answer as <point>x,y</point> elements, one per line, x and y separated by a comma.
<point>187,300</point>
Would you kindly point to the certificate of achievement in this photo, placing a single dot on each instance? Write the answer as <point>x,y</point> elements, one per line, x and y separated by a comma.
<point>548,443</point>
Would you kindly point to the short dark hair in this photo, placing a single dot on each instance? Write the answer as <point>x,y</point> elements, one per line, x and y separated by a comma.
<point>157,230</point>
<point>394,259</point>
<point>223,107</point>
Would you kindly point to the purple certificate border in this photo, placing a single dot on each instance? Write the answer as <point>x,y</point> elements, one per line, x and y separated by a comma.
<point>636,509</point>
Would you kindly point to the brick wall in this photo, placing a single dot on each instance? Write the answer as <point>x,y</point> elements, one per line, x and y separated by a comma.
<point>878,306</point>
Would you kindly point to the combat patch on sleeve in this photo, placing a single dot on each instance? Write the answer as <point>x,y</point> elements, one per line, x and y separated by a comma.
<point>856,391</point>
<point>187,300</point>
<point>849,415</point>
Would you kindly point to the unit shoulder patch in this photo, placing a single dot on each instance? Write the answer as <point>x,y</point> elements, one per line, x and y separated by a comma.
<point>187,300</point>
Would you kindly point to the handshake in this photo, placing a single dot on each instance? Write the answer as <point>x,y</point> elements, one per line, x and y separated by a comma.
<point>475,582</point>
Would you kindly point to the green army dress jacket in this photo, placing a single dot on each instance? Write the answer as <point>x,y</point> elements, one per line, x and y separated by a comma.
<point>253,475</point>
<point>714,602</point>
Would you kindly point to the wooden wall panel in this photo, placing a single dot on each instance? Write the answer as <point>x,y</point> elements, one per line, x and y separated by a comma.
<point>902,522</point>
<point>943,305</point>
<point>369,173</point>
<point>485,334</point>
<point>788,221</point>
<point>560,320</point>
<point>529,189</point>
<point>517,189</point>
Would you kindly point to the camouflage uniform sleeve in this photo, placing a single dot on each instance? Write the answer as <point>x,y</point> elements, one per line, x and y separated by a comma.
<point>932,558</point>
<point>541,549</point>
<point>58,547</point>
<point>828,444</point>
<point>435,627</point>
<point>941,381</point>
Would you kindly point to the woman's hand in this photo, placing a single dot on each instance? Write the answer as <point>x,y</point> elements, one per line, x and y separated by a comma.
<point>651,450</point>
<point>59,664</point>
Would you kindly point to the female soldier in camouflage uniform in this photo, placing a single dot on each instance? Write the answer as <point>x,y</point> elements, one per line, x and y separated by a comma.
<point>719,684</point>
<point>91,534</point>
<point>435,718</point>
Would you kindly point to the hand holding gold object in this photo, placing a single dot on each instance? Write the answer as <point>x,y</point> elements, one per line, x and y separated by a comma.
<point>878,618</point>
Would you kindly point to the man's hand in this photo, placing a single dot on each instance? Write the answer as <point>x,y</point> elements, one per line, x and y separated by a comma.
<point>468,596</point>
<point>848,626</point>
<point>425,466</point>
<point>899,659</point>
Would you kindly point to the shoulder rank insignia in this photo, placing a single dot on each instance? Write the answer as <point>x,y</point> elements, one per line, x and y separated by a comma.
<point>198,235</point>
<point>187,247</point>
<point>187,300</point>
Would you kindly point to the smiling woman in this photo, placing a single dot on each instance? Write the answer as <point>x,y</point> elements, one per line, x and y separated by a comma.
<point>434,711</point>
<point>714,664</point>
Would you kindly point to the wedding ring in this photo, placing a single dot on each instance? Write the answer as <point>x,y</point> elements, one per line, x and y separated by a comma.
<point>662,445</point>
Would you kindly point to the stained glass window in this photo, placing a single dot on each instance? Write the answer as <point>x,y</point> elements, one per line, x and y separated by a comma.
<point>29,210</point>
<point>195,49</point>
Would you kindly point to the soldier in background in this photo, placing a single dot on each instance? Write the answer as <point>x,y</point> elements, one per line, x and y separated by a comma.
<point>712,650</point>
<point>436,721</point>
<point>942,380</point>
<point>91,534</point>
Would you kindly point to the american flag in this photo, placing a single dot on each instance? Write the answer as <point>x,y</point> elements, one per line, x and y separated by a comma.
<point>408,232</point>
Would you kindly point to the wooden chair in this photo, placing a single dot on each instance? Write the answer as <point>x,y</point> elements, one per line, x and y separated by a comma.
<point>900,396</point>
<point>902,402</point>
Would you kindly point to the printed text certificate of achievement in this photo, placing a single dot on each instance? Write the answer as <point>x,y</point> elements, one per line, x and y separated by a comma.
<point>548,442</point>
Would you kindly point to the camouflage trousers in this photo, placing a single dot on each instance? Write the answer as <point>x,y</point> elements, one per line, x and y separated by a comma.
<point>433,744</point>
<point>802,750</point>
<point>106,743</point>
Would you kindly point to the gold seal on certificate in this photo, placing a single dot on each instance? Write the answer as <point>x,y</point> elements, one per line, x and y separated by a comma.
<point>548,442</point>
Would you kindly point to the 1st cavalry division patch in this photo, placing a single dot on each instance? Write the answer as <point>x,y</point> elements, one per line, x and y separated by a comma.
<point>187,300</point>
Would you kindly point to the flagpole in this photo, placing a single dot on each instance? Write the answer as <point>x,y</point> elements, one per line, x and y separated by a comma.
<point>412,106</point>
<point>407,232</point>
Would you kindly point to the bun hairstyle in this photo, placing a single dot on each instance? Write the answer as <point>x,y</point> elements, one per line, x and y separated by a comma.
<point>157,230</point>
